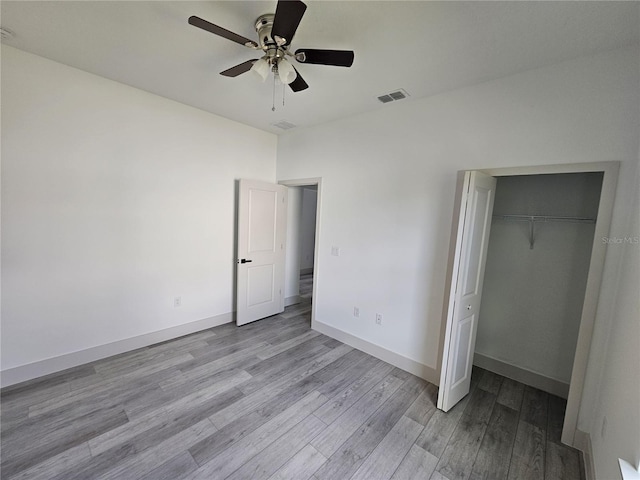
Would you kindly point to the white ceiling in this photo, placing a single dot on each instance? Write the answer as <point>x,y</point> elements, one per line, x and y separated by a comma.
<point>424,47</point>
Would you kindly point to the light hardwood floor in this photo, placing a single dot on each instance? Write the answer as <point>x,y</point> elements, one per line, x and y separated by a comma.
<point>306,286</point>
<point>274,400</point>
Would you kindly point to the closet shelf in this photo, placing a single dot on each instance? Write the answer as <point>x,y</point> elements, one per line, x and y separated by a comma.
<point>532,219</point>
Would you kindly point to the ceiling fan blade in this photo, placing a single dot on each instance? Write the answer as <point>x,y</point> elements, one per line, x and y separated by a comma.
<point>338,58</point>
<point>239,69</point>
<point>222,32</point>
<point>298,84</point>
<point>286,20</point>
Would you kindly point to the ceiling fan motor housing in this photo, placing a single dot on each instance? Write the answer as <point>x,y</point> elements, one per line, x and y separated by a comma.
<point>264,24</point>
<point>269,45</point>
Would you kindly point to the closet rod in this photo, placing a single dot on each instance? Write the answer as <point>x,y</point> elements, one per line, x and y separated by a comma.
<point>546,218</point>
<point>532,219</point>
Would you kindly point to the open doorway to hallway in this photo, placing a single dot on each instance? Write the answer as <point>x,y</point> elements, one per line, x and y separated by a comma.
<point>301,236</point>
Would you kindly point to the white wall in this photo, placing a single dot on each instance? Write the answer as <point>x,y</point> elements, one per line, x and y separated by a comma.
<point>532,298</point>
<point>114,201</point>
<point>308,227</point>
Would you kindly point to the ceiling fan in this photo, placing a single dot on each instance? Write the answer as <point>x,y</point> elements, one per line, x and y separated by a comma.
<point>275,32</point>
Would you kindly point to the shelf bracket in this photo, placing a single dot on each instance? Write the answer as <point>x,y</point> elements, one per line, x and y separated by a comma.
<point>531,232</point>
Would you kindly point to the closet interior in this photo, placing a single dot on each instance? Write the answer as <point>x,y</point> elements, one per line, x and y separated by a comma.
<point>542,233</point>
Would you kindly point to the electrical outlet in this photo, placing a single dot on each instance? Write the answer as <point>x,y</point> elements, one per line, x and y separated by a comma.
<point>379,318</point>
<point>356,312</point>
<point>335,251</point>
<point>177,302</point>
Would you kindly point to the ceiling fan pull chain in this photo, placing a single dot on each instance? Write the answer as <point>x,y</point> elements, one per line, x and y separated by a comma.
<point>273,106</point>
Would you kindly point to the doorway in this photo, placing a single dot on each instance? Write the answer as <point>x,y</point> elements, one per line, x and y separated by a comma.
<point>301,249</point>
<point>607,176</point>
<point>307,234</point>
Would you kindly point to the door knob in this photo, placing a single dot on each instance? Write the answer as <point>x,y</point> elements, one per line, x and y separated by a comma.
<point>244,260</point>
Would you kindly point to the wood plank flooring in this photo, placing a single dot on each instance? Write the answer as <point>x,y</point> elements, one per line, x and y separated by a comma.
<point>306,286</point>
<point>274,400</point>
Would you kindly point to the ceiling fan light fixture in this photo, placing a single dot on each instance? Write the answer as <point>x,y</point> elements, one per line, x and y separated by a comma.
<point>286,72</point>
<point>261,69</point>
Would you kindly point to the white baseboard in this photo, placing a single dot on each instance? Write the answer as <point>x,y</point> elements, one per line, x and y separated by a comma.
<point>292,300</point>
<point>522,375</point>
<point>395,359</point>
<point>40,368</point>
<point>582,441</point>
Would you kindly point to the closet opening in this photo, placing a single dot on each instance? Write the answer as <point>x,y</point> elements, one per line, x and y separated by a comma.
<point>527,240</point>
<point>539,251</point>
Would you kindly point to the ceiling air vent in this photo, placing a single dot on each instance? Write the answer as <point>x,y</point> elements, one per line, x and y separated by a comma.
<point>392,96</point>
<point>284,125</point>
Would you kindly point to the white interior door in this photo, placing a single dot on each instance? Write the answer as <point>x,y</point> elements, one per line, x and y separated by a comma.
<point>474,223</point>
<point>262,229</point>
